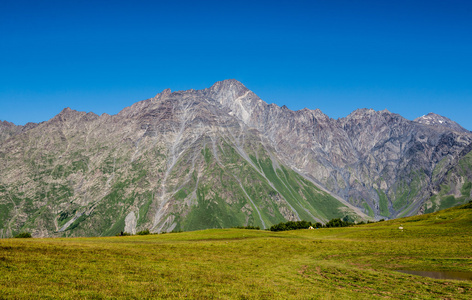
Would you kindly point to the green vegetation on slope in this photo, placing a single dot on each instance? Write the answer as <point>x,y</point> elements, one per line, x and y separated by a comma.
<point>455,189</point>
<point>348,263</point>
<point>302,195</point>
<point>214,213</point>
<point>220,200</point>
<point>228,191</point>
<point>407,190</point>
<point>212,187</point>
<point>383,203</point>
<point>368,209</point>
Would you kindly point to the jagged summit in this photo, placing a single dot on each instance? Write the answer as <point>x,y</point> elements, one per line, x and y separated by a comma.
<point>66,110</point>
<point>6,123</point>
<point>228,83</point>
<point>165,92</point>
<point>367,113</point>
<point>68,114</point>
<point>438,120</point>
<point>9,129</point>
<point>227,90</point>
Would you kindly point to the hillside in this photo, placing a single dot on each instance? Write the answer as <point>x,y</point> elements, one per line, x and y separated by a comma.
<point>178,161</point>
<point>222,157</point>
<point>355,263</point>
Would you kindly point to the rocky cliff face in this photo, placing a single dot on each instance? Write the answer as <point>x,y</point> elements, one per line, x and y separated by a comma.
<point>376,160</point>
<point>218,157</point>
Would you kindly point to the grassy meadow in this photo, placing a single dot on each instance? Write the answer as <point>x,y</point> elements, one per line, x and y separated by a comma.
<point>356,262</point>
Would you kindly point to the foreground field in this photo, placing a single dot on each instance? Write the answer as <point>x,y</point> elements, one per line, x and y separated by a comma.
<point>349,263</point>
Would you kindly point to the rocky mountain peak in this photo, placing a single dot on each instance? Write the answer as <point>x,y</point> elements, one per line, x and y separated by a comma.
<point>233,95</point>
<point>438,120</point>
<point>228,84</point>
<point>361,112</point>
<point>227,90</point>
<point>66,112</point>
<point>317,113</point>
<point>9,129</point>
<point>70,115</point>
<point>6,124</point>
<point>164,93</point>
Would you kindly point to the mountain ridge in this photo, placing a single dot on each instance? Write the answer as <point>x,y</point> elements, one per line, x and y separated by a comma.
<point>344,129</point>
<point>221,157</point>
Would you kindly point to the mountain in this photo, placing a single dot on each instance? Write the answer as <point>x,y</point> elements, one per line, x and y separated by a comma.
<point>378,161</point>
<point>220,157</point>
<point>437,120</point>
<point>8,130</point>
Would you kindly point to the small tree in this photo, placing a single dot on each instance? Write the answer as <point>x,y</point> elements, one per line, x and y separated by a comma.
<point>143,232</point>
<point>23,235</point>
<point>337,223</point>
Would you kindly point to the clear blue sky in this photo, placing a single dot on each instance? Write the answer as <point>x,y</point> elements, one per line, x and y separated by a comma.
<point>411,57</point>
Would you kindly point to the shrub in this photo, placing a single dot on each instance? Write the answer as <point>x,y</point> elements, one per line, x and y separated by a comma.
<point>291,225</point>
<point>468,205</point>
<point>143,232</point>
<point>123,234</point>
<point>23,235</point>
<point>248,227</point>
<point>337,223</point>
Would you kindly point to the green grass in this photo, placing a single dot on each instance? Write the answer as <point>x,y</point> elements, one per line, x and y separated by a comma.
<point>383,203</point>
<point>302,195</point>
<point>465,164</point>
<point>144,208</point>
<point>407,190</point>
<point>347,263</point>
<point>368,209</point>
<point>465,190</point>
<point>214,212</point>
<point>438,168</point>
<point>5,209</point>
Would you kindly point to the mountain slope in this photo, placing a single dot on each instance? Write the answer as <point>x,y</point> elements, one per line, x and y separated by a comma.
<point>378,161</point>
<point>220,157</point>
<point>178,161</point>
<point>454,186</point>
